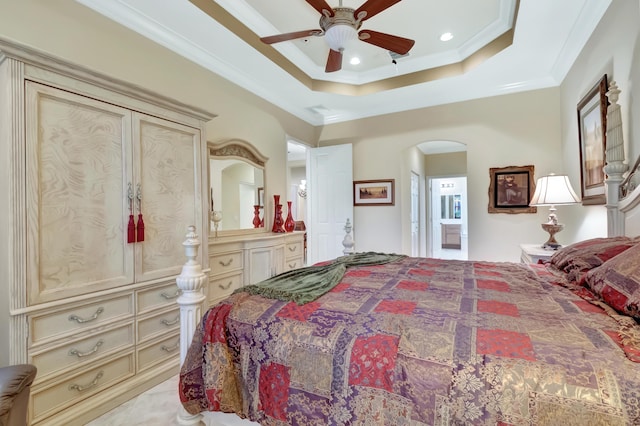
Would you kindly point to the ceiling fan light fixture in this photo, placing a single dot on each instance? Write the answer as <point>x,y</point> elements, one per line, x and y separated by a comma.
<point>338,35</point>
<point>355,61</point>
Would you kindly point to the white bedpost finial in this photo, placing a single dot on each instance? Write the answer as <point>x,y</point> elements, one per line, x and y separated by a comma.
<point>190,282</point>
<point>615,139</point>
<point>615,166</point>
<point>347,242</point>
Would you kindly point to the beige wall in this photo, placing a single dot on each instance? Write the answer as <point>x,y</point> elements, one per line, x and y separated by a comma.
<point>72,32</point>
<point>613,49</point>
<point>537,127</point>
<point>449,164</point>
<point>510,130</point>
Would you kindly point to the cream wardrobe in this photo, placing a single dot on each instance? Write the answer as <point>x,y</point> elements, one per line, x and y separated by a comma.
<point>100,180</point>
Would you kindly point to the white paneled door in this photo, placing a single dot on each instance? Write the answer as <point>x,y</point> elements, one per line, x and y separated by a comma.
<point>329,200</point>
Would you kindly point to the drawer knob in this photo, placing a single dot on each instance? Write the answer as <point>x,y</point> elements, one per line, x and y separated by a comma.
<point>83,320</point>
<point>225,264</point>
<point>170,348</point>
<point>225,287</point>
<point>83,354</point>
<point>293,248</point>
<point>170,296</point>
<point>174,322</point>
<point>93,383</point>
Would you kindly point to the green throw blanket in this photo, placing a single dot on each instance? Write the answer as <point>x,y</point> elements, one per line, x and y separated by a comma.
<point>309,283</point>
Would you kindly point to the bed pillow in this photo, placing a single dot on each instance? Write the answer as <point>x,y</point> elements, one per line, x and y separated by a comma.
<point>578,258</point>
<point>617,282</point>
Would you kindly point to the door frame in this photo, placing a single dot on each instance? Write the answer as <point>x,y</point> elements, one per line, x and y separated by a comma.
<point>431,219</point>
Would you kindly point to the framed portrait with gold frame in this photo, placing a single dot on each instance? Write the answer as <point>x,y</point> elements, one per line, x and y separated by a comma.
<point>592,138</point>
<point>510,189</point>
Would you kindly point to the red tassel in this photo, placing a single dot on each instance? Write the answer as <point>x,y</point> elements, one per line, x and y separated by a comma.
<point>140,228</point>
<point>131,230</point>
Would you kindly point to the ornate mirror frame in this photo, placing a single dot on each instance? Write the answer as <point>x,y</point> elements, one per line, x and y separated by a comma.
<point>242,150</point>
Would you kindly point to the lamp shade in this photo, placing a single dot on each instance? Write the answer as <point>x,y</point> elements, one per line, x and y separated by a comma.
<point>338,35</point>
<point>553,190</point>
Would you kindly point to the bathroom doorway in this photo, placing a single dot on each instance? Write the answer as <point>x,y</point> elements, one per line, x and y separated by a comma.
<point>448,217</point>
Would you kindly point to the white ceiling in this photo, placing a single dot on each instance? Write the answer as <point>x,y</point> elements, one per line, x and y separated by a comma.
<point>474,23</point>
<point>547,37</point>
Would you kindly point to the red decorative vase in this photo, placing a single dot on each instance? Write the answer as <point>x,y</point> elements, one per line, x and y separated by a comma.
<point>256,216</point>
<point>289,224</point>
<point>278,221</point>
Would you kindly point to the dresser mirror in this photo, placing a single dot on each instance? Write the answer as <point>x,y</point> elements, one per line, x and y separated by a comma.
<point>237,185</point>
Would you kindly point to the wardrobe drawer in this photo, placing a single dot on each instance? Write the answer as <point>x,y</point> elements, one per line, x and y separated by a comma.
<point>82,351</point>
<point>55,324</point>
<point>49,399</point>
<point>156,297</point>
<point>225,262</point>
<point>158,352</point>
<point>158,324</point>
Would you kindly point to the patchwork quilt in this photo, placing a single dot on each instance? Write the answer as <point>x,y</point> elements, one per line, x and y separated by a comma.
<point>418,342</point>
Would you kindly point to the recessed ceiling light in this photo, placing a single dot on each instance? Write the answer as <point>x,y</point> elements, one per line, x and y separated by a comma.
<point>354,61</point>
<point>446,37</point>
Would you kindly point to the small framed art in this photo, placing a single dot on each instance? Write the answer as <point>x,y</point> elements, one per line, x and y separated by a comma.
<point>592,137</point>
<point>510,189</point>
<point>374,192</point>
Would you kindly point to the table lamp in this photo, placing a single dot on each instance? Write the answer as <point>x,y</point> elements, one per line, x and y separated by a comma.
<point>553,190</point>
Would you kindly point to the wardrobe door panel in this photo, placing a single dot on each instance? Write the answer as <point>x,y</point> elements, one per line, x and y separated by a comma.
<point>167,175</point>
<point>78,169</point>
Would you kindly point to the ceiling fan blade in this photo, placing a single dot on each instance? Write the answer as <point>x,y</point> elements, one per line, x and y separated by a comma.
<point>290,36</point>
<point>399,45</point>
<point>321,6</point>
<point>334,61</point>
<point>372,8</point>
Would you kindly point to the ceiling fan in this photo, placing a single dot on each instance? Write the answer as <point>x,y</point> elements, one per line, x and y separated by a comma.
<point>340,24</point>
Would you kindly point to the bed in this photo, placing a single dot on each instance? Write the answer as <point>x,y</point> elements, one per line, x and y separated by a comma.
<point>418,341</point>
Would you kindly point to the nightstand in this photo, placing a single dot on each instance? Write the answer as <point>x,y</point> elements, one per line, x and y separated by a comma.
<point>532,253</point>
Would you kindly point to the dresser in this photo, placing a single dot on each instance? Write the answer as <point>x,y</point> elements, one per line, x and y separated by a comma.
<point>100,181</point>
<point>249,258</point>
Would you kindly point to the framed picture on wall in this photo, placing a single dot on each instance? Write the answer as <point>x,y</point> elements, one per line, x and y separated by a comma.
<point>592,137</point>
<point>510,189</point>
<point>374,192</point>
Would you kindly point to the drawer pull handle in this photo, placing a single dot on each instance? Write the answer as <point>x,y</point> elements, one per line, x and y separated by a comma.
<point>83,320</point>
<point>225,264</point>
<point>225,287</point>
<point>174,322</point>
<point>170,348</point>
<point>83,354</point>
<point>293,248</point>
<point>81,388</point>
<point>292,266</point>
<point>170,296</point>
